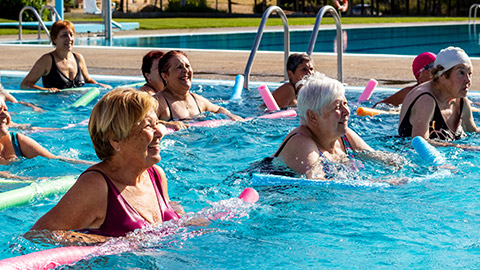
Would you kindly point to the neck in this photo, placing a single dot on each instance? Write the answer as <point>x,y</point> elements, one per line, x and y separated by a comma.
<point>123,173</point>
<point>326,143</point>
<point>176,95</point>
<point>441,93</point>
<point>62,54</point>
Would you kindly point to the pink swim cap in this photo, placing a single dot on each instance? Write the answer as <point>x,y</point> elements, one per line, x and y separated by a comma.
<point>421,61</point>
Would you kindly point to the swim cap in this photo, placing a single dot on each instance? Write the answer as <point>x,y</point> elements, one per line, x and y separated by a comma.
<point>450,57</point>
<point>421,61</point>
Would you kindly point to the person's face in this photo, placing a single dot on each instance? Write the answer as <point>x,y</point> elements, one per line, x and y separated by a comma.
<point>305,68</point>
<point>180,73</point>
<point>334,117</point>
<point>460,80</point>
<point>5,118</point>
<point>65,39</point>
<point>143,143</point>
<point>153,76</point>
<point>425,74</point>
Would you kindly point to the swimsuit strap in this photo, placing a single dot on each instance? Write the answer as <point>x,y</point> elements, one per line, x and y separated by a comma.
<point>194,99</point>
<point>16,145</point>
<point>169,108</point>
<point>285,143</point>
<point>348,146</point>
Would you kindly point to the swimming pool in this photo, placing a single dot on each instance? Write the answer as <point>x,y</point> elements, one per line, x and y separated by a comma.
<point>401,40</point>
<point>430,222</point>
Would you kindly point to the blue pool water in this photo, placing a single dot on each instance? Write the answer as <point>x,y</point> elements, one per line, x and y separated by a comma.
<point>410,40</point>
<point>431,222</point>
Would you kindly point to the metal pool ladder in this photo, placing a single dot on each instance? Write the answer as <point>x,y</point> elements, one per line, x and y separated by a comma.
<point>338,24</point>
<point>40,21</point>
<point>472,7</point>
<point>258,37</point>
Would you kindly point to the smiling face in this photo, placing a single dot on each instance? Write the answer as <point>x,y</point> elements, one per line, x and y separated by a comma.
<point>5,118</point>
<point>334,117</point>
<point>305,68</point>
<point>65,39</point>
<point>143,143</point>
<point>459,81</point>
<point>179,75</point>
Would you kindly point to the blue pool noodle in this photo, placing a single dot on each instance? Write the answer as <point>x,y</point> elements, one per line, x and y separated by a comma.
<point>237,87</point>
<point>427,151</point>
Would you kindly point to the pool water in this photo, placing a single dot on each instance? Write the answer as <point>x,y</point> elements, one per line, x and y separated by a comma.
<point>431,222</point>
<point>408,40</point>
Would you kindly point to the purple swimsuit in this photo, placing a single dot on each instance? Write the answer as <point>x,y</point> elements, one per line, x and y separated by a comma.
<point>121,217</point>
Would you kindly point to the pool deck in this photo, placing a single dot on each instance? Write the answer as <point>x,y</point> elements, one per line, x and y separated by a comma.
<point>389,71</point>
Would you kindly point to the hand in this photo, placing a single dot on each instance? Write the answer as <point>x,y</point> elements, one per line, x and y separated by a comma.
<point>177,125</point>
<point>52,90</point>
<point>177,207</point>
<point>104,85</point>
<point>236,117</point>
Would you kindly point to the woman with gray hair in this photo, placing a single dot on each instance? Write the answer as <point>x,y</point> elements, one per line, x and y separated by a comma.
<point>440,109</point>
<point>323,137</point>
<point>299,65</point>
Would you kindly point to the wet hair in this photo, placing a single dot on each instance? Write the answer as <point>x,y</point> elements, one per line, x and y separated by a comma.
<point>59,26</point>
<point>148,61</point>
<point>114,116</point>
<point>164,63</point>
<point>318,92</point>
<point>295,59</point>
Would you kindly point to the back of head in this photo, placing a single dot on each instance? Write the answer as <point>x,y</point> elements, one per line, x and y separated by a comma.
<point>114,116</point>
<point>296,59</point>
<point>164,65</point>
<point>148,60</point>
<point>421,61</point>
<point>318,92</point>
<point>448,58</point>
<point>59,26</point>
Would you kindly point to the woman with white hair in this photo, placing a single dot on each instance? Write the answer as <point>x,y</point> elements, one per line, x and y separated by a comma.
<point>440,109</point>
<point>323,137</point>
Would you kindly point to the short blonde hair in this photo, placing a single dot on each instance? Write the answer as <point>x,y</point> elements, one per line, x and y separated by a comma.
<point>318,92</point>
<point>114,116</point>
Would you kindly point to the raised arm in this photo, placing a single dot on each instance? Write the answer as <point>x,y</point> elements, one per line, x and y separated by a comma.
<point>39,69</point>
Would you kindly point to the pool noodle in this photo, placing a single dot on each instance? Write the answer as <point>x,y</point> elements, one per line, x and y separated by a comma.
<point>219,122</point>
<point>364,111</point>
<point>367,93</point>
<point>427,151</point>
<point>81,89</point>
<point>86,98</point>
<point>23,195</point>
<point>14,181</point>
<point>268,98</point>
<point>55,257</point>
<point>132,85</point>
<point>237,87</point>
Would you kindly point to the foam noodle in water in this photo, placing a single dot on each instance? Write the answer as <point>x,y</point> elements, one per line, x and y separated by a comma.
<point>367,93</point>
<point>427,151</point>
<point>268,98</point>
<point>364,111</point>
<point>237,87</point>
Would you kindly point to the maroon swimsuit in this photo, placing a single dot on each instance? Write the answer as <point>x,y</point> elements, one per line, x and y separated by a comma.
<point>121,217</point>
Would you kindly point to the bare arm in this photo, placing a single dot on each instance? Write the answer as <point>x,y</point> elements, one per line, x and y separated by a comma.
<point>208,106</point>
<point>468,123</point>
<point>397,98</point>
<point>421,115</point>
<point>86,75</point>
<point>285,95</point>
<point>175,205</point>
<point>39,69</point>
<point>301,155</point>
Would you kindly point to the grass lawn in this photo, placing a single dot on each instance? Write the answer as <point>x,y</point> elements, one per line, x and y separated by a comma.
<point>183,23</point>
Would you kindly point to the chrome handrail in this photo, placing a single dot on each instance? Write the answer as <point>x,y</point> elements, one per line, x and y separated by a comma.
<point>338,24</point>
<point>476,6</point>
<point>258,37</point>
<point>40,22</point>
<point>55,16</point>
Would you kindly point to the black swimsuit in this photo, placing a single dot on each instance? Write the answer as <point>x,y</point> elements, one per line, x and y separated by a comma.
<point>170,109</point>
<point>438,128</point>
<point>55,78</point>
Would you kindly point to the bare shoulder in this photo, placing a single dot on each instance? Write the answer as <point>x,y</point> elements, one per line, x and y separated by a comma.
<point>92,180</point>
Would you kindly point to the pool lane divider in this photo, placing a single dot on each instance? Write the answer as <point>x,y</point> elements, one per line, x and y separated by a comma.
<point>55,257</point>
<point>36,190</point>
<point>237,87</point>
<point>21,91</point>
<point>429,153</point>
<point>367,92</point>
<point>220,122</point>
<point>268,98</point>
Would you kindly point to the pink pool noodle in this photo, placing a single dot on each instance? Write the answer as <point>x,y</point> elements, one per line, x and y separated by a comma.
<point>219,122</point>
<point>367,93</point>
<point>268,98</point>
<point>47,259</point>
<point>249,195</point>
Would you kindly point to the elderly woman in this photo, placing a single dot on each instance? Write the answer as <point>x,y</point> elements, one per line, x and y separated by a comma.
<point>440,109</point>
<point>126,190</point>
<point>176,102</point>
<point>60,68</point>
<point>150,73</point>
<point>323,137</point>
<point>298,66</point>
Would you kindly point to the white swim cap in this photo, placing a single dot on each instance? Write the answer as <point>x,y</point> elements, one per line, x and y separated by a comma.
<point>450,57</point>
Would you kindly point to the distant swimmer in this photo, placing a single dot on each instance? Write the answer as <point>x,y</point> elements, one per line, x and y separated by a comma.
<point>176,102</point>
<point>61,68</point>
<point>299,65</point>
<point>154,82</point>
<point>126,191</point>
<point>439,109</point>
<point>421,66</point>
